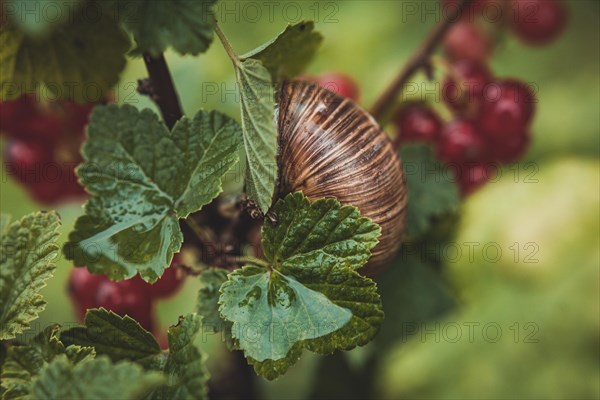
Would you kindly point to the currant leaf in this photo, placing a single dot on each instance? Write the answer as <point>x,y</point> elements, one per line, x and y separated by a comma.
<point>185,25</point>
<point>308,233</point>
<point>271,312</point>
<point>208,300</point>
<point>311,296</point>
<point>25,361</point>
<point>432,189</point>
<point>290,52</point>
<point>184,367</point>
<point>120,338</point>
<point>28,247</point>
<point>142,180</point>
<point>123,339</point>
<point>80,60</point>
<point>259,131</point>
<point>96,379</point>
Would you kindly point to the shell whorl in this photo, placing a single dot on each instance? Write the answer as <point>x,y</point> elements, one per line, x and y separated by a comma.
<point>330,147</point>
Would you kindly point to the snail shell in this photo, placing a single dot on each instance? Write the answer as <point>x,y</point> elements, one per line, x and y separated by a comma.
<point>330,147</point>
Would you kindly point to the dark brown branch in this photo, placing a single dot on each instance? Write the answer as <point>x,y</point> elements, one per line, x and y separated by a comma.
<point>419,59</point>
<point>161,90</point>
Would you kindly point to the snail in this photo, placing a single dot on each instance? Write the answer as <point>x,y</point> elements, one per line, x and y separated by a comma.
<point>330,147</point>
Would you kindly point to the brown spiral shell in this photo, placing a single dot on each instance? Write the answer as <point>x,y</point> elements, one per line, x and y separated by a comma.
<point>330,147</point>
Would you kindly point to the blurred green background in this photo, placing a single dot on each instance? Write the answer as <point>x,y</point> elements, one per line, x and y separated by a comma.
<point>556,214</point>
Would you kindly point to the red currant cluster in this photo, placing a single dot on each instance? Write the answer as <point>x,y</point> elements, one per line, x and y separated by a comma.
<point>133,297</point>
<point>491,116</point>
<point>43,144</point>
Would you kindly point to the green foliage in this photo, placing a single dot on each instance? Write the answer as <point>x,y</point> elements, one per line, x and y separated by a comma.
<point>25,361</point>
<point>27,248</point>
<point>96,379</point>
<point>38,17</point>
<point>185,25</point>
<point>256,72</point>
<point>270,312</point>
<point>432,190</point>
<point>306,234</point>
<point>187,375</point>
<point>290,52</point>
<point>143,179</point>
<point>208,300</point>
<point>79,60</point>
<point>260,131</point>
<point>122,338</point>
<point>311,295</point>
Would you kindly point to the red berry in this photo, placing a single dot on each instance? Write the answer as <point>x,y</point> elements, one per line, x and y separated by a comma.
<point>418,122</point>
<point>14,112</point>
<point>338,83</point>
<point>82,289</point>
<point>460,142</point>
<point>28,160</point>
<point>466,41</point>
<point>538,22</point>
<point>463,90</point>
<point>76,115</point>
<point>24,118</point>
<point>507,109</point>
<point>125,298</point>
<point>510,149</point>
<point>473,177</point>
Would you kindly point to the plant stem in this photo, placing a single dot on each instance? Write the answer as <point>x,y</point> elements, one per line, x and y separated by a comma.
<point>162,89</point>
<point>417,61</point>
<point>230,52</point>
<point>252,260</point>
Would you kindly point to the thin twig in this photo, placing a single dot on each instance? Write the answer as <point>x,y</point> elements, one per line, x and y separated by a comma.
<point>250,260</point>
<point>418,60</point>
<point>228,48</point>
<point>162,90</point>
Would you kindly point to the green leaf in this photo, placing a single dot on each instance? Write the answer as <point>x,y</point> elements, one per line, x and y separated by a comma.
<point>143,179</point>
<point>123,339</point>
<point>38,17</point>
<point>120,338</point>
<point>259,131</point>
<point>77,354</point>
<point>94,379</point>
<point>290,52</point>
<point>308,233</point>
<point>185,25</point>
<point>208,299</point>
<point>80,60</point>
<point>187,376</point>
<point>271,312</point>
<point>24,361</point>
<point>312,297</point>
<point>432,189</point>
<point>27,248</point>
